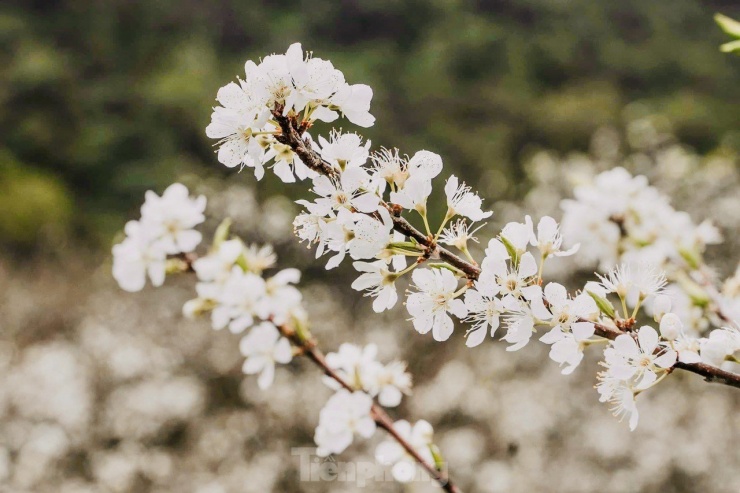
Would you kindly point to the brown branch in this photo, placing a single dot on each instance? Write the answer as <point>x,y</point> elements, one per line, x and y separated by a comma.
<point>378,414</point>
<point>709,372</point>
<point>290,136</point>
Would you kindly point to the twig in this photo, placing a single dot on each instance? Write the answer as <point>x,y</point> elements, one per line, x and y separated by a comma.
<point>377,412</point>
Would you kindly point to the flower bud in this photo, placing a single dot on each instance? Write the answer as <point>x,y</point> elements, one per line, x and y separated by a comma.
<point>670,326</point>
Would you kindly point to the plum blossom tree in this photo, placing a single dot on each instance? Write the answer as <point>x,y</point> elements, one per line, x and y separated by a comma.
<point>645,250</point>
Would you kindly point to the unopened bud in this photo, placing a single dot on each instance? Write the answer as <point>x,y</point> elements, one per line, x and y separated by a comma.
<point>670,326</point>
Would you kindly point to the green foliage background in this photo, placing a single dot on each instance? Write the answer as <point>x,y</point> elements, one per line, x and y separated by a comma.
<point>100,101</point>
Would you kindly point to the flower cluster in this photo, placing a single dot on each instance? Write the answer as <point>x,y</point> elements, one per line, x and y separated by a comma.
<point>293,85</point>
<point>349,412</point>
<point>165,228</point>
<point>358,367</point>
<point>620,218</point>
<point>233,288</point>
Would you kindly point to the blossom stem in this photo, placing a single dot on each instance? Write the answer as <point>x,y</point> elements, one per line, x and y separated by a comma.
<point>624,307</point>
<point>656,382</point>
<point>426,223</point>
<point>637,307</point>
<point>448,215</point>
<point>406,270</point>
<point>466,252</point>
<point>542,266</point>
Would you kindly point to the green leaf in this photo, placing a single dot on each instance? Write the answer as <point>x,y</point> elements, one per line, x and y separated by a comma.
<point>444,265</point>
<point>604,305</point>
<point>692,258</point>
<point>222,232</point>
<point>698,295</point>
<point>728,25</point>
<point>730,47</point>
<point>439,462</point>
<point>511,250</point>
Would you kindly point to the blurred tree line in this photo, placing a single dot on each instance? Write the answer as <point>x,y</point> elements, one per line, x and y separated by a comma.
<point>102,100</point>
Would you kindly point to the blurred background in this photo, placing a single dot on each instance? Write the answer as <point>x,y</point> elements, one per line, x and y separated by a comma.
<point>102,391</point>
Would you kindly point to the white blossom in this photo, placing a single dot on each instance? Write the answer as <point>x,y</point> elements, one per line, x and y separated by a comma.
<point>511,279</point>
<point>436,298</point>
<point>567,346</point>
<point>344,415</point>
<point>720,344</point>
<point>413,195</point>
<point>688,348</point>
<point>263,347</point>
<point>257,258</point>
<point>282,300</point>
<point>354,103</point>
<point>458,234</point>
<point>234,123</point>
<point>343,192</point>
<point>355,365</point>
<point>172,217</point>
<point>660,306</point>
<point>217,265</point>
<point>138,256</point>
<point>462,201</point>
<point>425,164</point>
<point>390,383</point>
<point>548,239</point>
<point>239,301</point>
<point>624,406</point>
<point>484,309</point>
<point>362,235</point>
<point>379,283</point>
<point>518,235</point>
<point>388,167</point>
<point>519,326</point>
<point>288,166</point>
<point>344,150</point>
<point>671,326</point>
<point>626,360</point>
<point>390,452</point>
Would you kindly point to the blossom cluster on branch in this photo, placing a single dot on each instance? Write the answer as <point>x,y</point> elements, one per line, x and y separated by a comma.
<point>357,211</point>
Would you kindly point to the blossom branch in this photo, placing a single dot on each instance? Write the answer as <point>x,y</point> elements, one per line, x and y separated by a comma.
<point>291,136</point>
<point>710,373</point>
<point>309,347</point>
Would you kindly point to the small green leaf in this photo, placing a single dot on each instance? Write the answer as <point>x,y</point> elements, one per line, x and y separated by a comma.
<point>693,258</point>
<point>698,295</point>
<point>728,25</point>
<point>222,232</point>
<point>444,265</point>
<point>730,47</point>
<point>604,305</point>
<point>241,261</point>
<point>439,462</point>
<point>511,250</point>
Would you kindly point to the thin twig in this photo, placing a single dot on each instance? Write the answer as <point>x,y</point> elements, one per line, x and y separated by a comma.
<point>377,412</point>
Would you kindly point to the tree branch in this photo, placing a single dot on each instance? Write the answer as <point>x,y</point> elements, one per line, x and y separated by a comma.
<point>377,412</point>
<point>291,136</point>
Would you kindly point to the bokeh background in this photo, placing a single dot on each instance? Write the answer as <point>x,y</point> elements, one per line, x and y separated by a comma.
<point>102,391</point>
